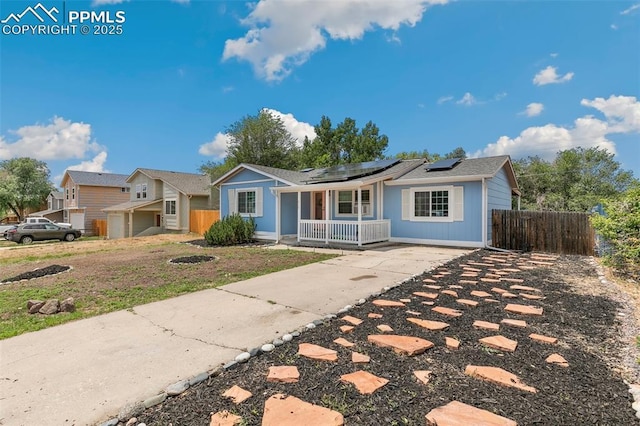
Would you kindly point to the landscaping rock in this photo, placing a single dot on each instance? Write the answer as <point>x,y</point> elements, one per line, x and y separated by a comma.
<point>130,410</point>
<point>365,382</point>
<point>358,358</point>
<point>407,345</point>
<point>317,352</point>
<point>177,388</point>
<point>154,400</point>
<point>283,374</point>
<point>34,306</point>
<point>278,342</point>
<point>50,307</point>
<point>423,375</point>
<point>224,418</point>
<point>111,422</point>
<point>498,376</point>
<point>500,342</point>
<point>243,357</point>
<point>267,347</point>
<point>237,394</point>
<point>281,410</point>
<point>68,305</point>
<point>287,338</point>
<point>428,324</point>
<point>198,379</point>
<point>457,413</point>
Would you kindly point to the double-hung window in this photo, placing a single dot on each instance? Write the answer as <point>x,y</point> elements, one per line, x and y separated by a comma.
<point>348,202</point>
<point>141,190</point>
<point>433,204</point>
<point>246,202</point>
<point>170,207</point>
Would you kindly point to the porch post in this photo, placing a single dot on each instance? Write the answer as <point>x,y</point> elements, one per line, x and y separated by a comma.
<point>130,223</point>
<point>299,212</point>
<point>326,216</point>
<point>277,217</point>
<point>359,216</point>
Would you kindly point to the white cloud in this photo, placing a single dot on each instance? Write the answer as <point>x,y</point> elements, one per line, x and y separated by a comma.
<point>283,34</point>
<point>622,115</point>
<point>553,55</point>
<point>467,100</point>
<point>630,9</point>
<point>217,147</point>
<point>614,27</point>
<point>227,89</point>
<point>298,129</point>
<point>96,164</point>
<point>533,109</point>
<point>549,75</point>
<point>444,99</point>
<point>500,96</point>
<point>59,140</point>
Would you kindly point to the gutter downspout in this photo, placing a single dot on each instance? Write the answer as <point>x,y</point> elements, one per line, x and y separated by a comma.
<point>485,206</point>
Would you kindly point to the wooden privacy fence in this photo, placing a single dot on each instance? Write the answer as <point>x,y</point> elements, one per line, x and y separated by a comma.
<point>100,227</point>
<point>201,220</point>
<point>554,232</point>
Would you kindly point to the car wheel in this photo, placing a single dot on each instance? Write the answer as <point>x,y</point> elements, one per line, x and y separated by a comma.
<point>69,237</point>
<point>26,240</point>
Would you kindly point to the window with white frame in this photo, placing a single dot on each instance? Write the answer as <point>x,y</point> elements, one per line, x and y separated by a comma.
<point>433,204</point>
<point>170,207</point>
<point>347,204</point>
<point>141,190</point>
<point>246,202</point>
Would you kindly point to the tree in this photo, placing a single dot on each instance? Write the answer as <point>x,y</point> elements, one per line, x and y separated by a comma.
<point>215,169</point>
<point>24,183</point>
<point>458,152</point>
<point>262,139</point>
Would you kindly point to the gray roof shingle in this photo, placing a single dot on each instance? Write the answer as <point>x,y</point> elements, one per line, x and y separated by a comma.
<point>98,178</point>
<point>187,183</point>
<point>486,166</point>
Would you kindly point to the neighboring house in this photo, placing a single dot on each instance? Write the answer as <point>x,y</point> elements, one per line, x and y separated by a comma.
<point>444,203</point>
<point>160,201</point>
<point>55,207</point>
<point>86,194</point>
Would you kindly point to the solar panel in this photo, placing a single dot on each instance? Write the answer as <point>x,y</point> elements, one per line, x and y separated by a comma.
<point>446,164</point>
<point>346,172</point>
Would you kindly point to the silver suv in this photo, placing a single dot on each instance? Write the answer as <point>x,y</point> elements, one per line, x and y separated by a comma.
<point>28,233</point>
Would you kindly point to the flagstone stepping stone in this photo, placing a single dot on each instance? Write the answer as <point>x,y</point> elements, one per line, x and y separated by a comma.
<point>423,375</point>
<point>468,282</point>
<point>427,295</point>
<point>523,309</point>
<point>500,342</point>
<point>237,394</point>
<point>449,293</point>
<point>523,288</point>
<point>437,276</point>
<point>433,287</point>
<point>452,343</point>
<point>492,300</point>
<point>531,296</point>
<point>469,274</point>
<point>312,351</point>
<point>469,268</point>
<point>514,323</point>
<point>498,376</point>
<point>526,268</point>
<point>405,300</point>
<point>428,324</point>
<point>281,410</point>
<point>457,413</point>
<point>428,303</point>
<point>489,280</point>
<point>384,328</point>
<point>485,325</point>
<point>225,418</point>
<point>447,311</point>
<point>513,270</point>
<point>407,345</point>
<point>499,290</point>
<point>428,280</point>
<point>444,272</point>
<point>346,328</point>
<point>358,358</point>
<point>388,303</point>
<point>456,286</point>
<point>543,339</point>
<point>557,360</point>
<point>344,342</point>
<point>414,313</point>
<point>478,293</point>
<point>538,262</point>
<point>375,316</point>
<point>351,320</point>
<point>513,280</point>
<point>283,374</point>
<point>365,382</point>
<point>489,265</point>
<point>508,295</point>
<point>495,276</point>
<point>467,302</point>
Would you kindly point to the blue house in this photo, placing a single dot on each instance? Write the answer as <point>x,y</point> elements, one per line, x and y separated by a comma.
<point>447,203</point>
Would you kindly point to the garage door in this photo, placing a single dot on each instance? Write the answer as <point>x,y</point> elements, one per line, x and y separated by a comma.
<point>115,226</point>
<point>77,221</point>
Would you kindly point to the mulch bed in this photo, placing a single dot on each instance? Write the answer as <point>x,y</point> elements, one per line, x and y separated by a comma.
<point>588,392</point>
<point>204,244</point>
<point>192,259</point>
<point>38,273</point>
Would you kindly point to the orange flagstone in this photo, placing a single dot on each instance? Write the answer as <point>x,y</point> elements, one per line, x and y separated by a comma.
<point>428,303</point>
<point>427,295</point>
<point>359,358</point>
<point>498,376</point>
<point>450,293</point>
<point>384,328</point>
<point>351,320</point>
<point>447,311</point>
<point>428,324</point>
<point>512,280</point>
<point>490,280</point>
<point>468,282</point>
<point>478,293</point>
<point>414,313</point>
<point>531,296</point>
<point>423,375</point>
<point>543,339</point>
<point>496,276</point>
<point>373,315</point>
<point>500,342</point>
<point>469,268</point>
<point>291,411</point>
<point>405,300</point>
<point>508,295</point>
<point>469,274</point>
<point>514,323</point>
<point>557,359</point>
<point>456,286</point>
<point>224,418</point>
<point>346,328</point>
<point>283,374</point>
<point>407,345</point>
<point>467,302</point>
<point>492,300</point>
<point>489,265</point>
<point>388,303</point>
<point>433,287</point>
<point>344,342</point>
<point>317,352</point>
<point>457,413</point>
<point>523,309</point>
<point>452,343</point>
<point>365,382</point>
<point>486,325</point>
<point>237,394</point>
<point>523,288</point>
<point>428,280</point>
<point>499,290</point>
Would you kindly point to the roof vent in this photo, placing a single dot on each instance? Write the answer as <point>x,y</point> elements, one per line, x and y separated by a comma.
<point>307,170</point>
<point>446,164</point>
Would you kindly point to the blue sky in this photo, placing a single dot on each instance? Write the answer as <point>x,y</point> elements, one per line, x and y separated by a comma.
<point>501,77</point>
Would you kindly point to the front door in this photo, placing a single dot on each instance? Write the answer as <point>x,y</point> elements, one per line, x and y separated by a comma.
<point>318,206</point>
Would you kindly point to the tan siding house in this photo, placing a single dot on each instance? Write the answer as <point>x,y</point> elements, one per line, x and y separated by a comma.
<point>55,206</point>
<point>86,194</point>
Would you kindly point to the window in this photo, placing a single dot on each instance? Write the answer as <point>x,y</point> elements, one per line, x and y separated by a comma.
<point>141,190</point>
<point>144,190</point>
<point>433,204</point>
<point>73,193</point>
<point>170,207</point>
<point>247,202</point>
<point>125,189</point>
<point>348,202</point>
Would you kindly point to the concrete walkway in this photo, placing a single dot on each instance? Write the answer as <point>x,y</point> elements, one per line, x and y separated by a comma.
<point>82,373</point>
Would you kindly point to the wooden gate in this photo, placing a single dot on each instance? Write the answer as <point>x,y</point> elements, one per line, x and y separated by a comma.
<point>554,232</point>
<point>201,220</point>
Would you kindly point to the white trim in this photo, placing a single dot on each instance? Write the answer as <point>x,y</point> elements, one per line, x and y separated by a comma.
<point>431,181</point>
<point>246,181</point>
<point>258,200</point>
<point>277,216</point>
<point>447,243</point>
<point>485,206</point>
<point>353,203</point>
<point>237,168</point>
<point>412,203</point>
<point>264,235</point>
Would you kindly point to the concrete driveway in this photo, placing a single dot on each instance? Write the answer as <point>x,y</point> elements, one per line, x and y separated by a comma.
<point>83,372</point>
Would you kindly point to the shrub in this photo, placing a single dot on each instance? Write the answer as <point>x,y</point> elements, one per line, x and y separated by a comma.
<point>231,230</point>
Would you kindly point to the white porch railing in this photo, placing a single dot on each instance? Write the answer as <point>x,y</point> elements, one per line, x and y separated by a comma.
<point>342,231</point>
